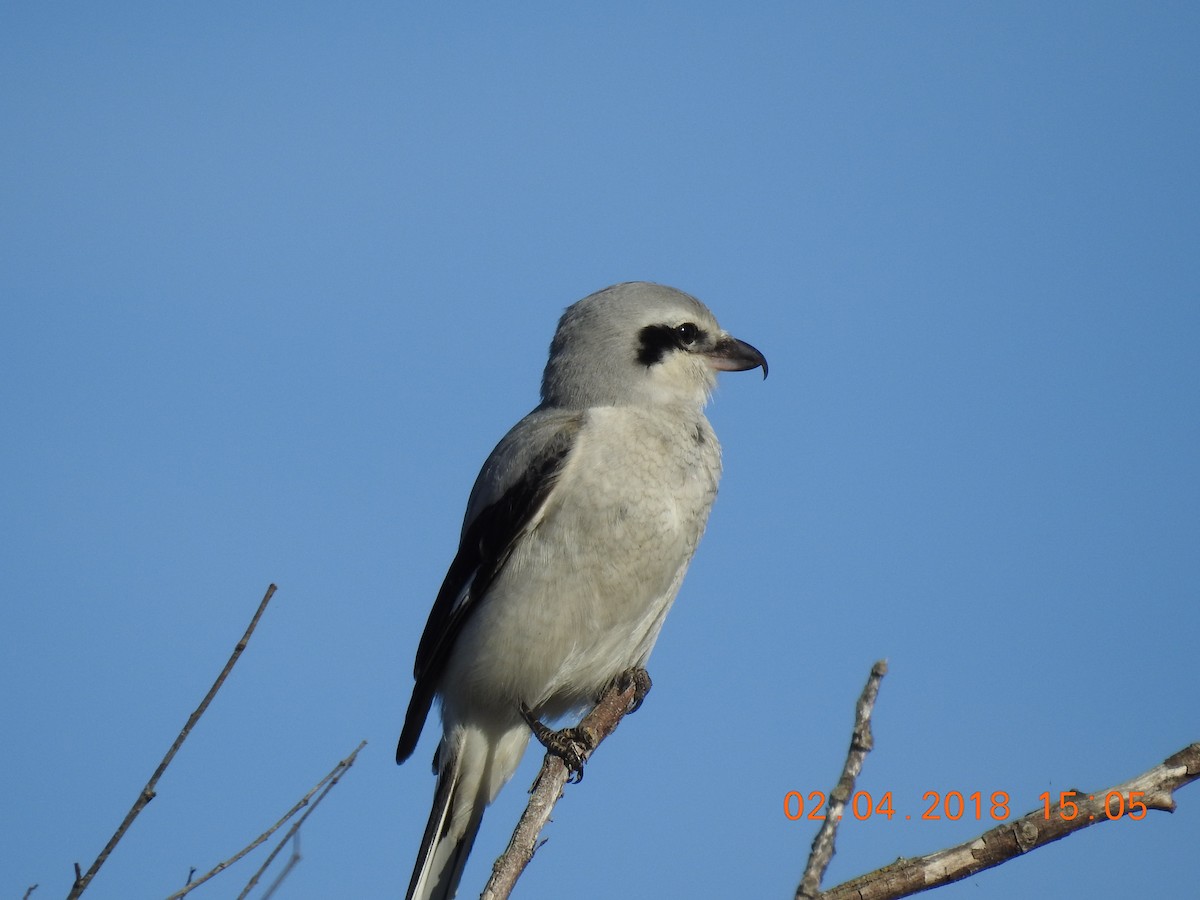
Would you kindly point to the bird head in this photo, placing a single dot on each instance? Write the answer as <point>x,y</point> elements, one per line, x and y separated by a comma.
<point>640,343</point>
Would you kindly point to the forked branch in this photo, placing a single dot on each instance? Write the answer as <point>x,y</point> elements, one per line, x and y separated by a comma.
<point>147,794</point>
<point>325,783</point>
<point>1153,789</point>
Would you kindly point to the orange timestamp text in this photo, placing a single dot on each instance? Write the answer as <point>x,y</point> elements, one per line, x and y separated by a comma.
<point>955,805</point>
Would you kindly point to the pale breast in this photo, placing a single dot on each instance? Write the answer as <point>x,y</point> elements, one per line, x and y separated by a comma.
<point>585,593</point>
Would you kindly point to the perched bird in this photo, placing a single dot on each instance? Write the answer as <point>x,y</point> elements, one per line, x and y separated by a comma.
<point>577,535</point>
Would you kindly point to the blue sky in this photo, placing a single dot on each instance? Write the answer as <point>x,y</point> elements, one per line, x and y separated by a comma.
<point>277,278</point>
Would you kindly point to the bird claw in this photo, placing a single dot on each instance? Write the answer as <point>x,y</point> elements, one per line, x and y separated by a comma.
<point>571,745</point>
<point>574,745</point>
<point>640,679</point>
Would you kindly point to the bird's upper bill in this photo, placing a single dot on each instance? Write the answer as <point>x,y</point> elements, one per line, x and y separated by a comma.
<point>731,355</point>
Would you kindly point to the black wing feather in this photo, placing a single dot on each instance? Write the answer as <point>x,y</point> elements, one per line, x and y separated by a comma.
<point>486,545</point>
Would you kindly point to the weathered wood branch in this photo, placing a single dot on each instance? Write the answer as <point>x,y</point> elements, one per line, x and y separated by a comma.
<point>861,742</point>
<point>548,786</point>
<point>903,878</point>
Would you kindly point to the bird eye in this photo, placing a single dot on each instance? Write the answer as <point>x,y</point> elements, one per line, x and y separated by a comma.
<point>687,333</point>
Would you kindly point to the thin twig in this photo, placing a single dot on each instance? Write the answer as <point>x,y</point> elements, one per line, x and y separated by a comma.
<point>906,877</point>
<point>29,890</point>
<point>147,794</point>
<point>332,778</point>
<point>861,742</point>
<point>293,861</point>
<point>334,775</point>
<point>547,788</point>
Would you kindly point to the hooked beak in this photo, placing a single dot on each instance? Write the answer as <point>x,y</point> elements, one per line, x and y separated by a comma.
<point>732,355</point>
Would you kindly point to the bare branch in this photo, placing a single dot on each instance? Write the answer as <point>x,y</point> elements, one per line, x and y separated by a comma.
<point>327,782</point>
<point>332,778</point>
<point>293,861</point>
<point>547,788</point>
<point>147,794</point>
<point>861,742</point>
<point>906,877</point>
<point>29,890</point>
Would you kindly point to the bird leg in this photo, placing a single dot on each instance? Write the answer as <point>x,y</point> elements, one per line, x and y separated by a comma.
<point>571,745</point>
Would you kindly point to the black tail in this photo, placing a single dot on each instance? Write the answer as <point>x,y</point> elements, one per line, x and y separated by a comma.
<point>442,857</point>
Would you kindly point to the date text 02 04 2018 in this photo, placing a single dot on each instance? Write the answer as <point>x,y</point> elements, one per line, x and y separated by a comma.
<point>954,805</point>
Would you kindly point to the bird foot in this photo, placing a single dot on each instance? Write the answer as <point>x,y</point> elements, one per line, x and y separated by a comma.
<point>571,745</point>
<point>640,679</point>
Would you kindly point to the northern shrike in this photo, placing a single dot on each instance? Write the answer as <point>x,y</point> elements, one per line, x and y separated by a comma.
<point>577,535</point>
